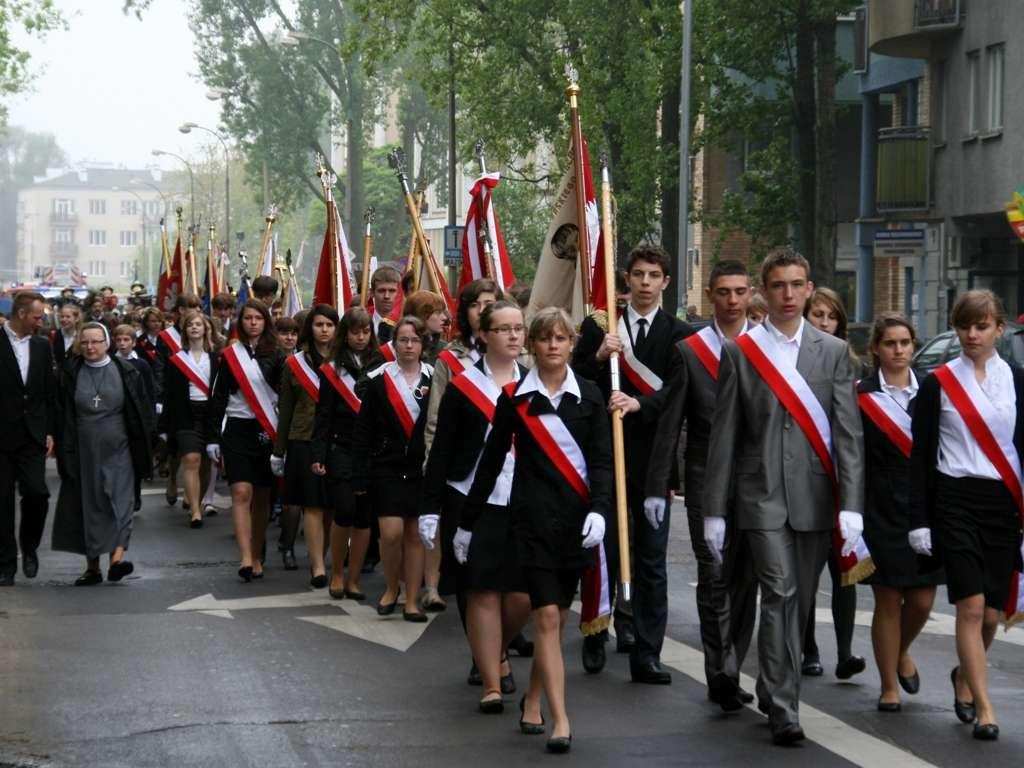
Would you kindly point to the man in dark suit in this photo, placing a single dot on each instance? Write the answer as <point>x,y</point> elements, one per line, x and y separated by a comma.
<point>726,617</point>
<point>645,335</point>
<point>788,452</point>
<point>27,398</point>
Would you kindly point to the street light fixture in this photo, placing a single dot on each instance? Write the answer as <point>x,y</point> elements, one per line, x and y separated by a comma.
<point>187,128</point>
<point>191,182</point>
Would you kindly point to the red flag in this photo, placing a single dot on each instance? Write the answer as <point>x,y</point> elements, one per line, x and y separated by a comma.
<point>170,285</point>
<point>333,283</point>
<point>474,263</point>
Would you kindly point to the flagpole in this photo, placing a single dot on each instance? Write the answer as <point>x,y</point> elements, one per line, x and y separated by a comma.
<point>211,267</point>
<point>413,258</point>
<point>364,278</point>
<point>165,247</point>
<point>327,181</point>
<point>583,237</point>
<point>270,218</point>
<point>397,161</point>
<point>618,444</point>
<point>483,236</point>
<point>193,266</point>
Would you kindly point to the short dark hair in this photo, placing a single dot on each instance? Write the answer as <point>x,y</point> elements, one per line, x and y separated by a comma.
<point>470,292</point>
<point>24,300</point>
<point>974,306</point>
<point>727,268</point>
<point>487,315</point>
<point>884,322</point>
<point>353,319</point>
<point>286,325</point>
<point>653,254</point>
<point>420,329</point>
<point>384,275</point>
<point>264,285</point>
<point>223,301</point>
<point>783,256</point>
<point>187,301</point>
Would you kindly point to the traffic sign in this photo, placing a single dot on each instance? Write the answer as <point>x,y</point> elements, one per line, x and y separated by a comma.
<point>453,245</point>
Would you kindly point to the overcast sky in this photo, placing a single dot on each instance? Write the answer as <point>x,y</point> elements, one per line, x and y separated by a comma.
<point>113,88</point>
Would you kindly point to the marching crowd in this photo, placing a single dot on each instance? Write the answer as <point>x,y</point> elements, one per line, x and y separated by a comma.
<point>476,461</point>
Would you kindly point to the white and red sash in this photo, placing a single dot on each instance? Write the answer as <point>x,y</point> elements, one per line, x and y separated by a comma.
<point>707,347</point>
<point>795,395</point>
<point>304,374</point>
<point>387,351</point>
<point>172,338</point>
<point>995,438</point>
<point>890,418</point>
<point>454,363</point>
<point>343,384</point>
<point>645,380</point>
<point>258,394</point>
<point>185,363</point>
<point>482,392</point>
<point>403,403</point>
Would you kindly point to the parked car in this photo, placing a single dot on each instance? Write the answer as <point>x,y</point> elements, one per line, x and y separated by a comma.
<point>944,347</point>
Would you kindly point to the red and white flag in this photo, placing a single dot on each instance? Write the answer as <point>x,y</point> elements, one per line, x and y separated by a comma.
<point>171,282</point>
<point>333,282</point>
<point>476,263</point>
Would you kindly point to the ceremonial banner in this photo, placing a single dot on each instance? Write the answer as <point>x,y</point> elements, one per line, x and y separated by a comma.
<point>334,284</point>
<point>292,296</point>
<point>172,283</point>
<point>387,351</point>
<point>475,263</point>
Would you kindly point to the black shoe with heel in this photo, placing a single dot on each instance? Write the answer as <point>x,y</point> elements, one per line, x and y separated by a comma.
<point>559,745</point>
<point>964,709</point>
<point>986,732</point>
<point>527,728</point>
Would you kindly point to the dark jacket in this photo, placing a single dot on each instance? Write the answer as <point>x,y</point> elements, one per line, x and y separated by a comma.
<point>176,415</point>
<point>29,406</point>
<point>68,531</point>
<point>146,350</point>
<point>335,424</point>
<point>547,514</point>
<point>656,354</point>
<point>271,365</point>
<point>60,352</point>
<point>380,448</point>
<point>886,469</point>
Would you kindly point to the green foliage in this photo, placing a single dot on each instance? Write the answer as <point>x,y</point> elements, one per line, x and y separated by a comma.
<point>35,18</point>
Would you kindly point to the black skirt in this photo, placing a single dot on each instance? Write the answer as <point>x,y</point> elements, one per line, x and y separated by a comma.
<point>395,496</point>
<point>978,534</point>
<point>452,578</point>
<point>246,450</point>
<point>301,487</point>
<point>549,586</point>
<point>351,510</point>
<point>194,439</point>
<point>493,562</point>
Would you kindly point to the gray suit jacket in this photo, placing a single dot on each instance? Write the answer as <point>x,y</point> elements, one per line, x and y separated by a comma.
<point>756,444</point>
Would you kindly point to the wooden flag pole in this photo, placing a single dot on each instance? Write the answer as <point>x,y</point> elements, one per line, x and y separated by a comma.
<point>618,443</point>
<point>327,181</point>
<point>364,279</point>
<point>483,232</point>
<point>270,218</point>
<point>211,265</point>
<point>397,161</point>
<point>166,249</point>
<point>583,237</point>
<point>192,266</point>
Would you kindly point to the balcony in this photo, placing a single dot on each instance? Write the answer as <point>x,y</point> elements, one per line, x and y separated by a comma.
<point>63,250</point>
<point>904,169</point>
<point>63,218</point>
<point>906,28</point>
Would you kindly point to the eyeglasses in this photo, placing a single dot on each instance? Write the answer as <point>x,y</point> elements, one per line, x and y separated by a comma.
<point>408,340</point>
<point>510,330</point>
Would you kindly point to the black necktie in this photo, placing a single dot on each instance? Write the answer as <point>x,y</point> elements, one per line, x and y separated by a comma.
<point>641,333</point>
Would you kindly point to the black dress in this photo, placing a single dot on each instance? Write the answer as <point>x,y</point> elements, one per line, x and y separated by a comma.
<point>547,513</point>
<point>388,461</point>
<point>887,507</point>
<point>493,563</point>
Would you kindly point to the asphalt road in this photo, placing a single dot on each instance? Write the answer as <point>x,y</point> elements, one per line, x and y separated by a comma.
<point>183,665</point>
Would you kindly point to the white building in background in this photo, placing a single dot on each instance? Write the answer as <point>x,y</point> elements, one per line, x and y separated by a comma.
<point>103,220</point>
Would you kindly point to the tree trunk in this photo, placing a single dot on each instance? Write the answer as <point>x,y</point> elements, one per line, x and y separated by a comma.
<point>672,155</point>
<point>825,176</point>
<point>804,122</point>
<point>355,194</point>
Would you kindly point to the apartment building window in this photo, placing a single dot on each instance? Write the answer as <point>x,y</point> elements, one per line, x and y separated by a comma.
<point>129,239</point>
<point>97,207</point>
<point>153,208</point>
<point>129,208</point>
<point>938,105</point>
<point>97,237</point>
<point>62,236</point>
<point>98,268</point>
<point>994,55</point>
<point>973,93</point>
<point>126,269</point>
<point>63,207</point>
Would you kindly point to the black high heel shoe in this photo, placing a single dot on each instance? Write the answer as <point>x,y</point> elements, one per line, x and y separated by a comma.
<point>527,728</point>
<point>245,573</point>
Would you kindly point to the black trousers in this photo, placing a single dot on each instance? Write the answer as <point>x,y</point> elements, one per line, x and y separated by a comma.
<point>22,465</point>
<point>650,579</point>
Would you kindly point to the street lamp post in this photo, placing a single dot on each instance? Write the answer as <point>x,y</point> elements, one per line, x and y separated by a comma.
<point>191,182</point>
<point>187,128</point>
<point>145,242</point>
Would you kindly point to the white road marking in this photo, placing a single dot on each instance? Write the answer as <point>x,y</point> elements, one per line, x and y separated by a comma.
<point>938,624</point>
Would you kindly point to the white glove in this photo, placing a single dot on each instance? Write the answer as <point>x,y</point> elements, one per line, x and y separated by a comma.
<point>213,451</point>
<point>277,465</point>
<point>851,526</point>
<point>163,436</point>
<point>921,541</point>
<point>461,544</point>
<point>428,529</point>
<point>159,408</point>
<point>714,536</point>
<point>593,530</point>
<point>654,510</point>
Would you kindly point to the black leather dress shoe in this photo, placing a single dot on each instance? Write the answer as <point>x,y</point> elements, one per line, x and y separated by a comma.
<point>474,677</point>
<point>6,579</point>
<point>965,710</point>
<point>788,734</point>
<point>593,653</point>
<point>812,668</point>
<point>288,556</point>
<point>745,696</point>
<point>625,636</point>
<point>89,579</point>
<point>508,682</point>
<point>847,668</point>
<point>910,684</point>
<point>986,732</point>
<point>889,706</point>
<point>386,609</point>
<point>559,745</point>
<point>724,692</point>
<point>491,706</point>
<point>29,564</point>
<point>650,673</point>
<point>119,570</point>
<point>414,616</point>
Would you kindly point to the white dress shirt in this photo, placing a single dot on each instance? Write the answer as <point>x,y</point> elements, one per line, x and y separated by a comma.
<point>959,453</point>
<point>238,406</point>
<point>902,395</point>
<point>532,383</point>
<point>20,346</point>
<point>203,364</point>
<point>632,316</point>
<point>789,347</point>
<point>377,319</point>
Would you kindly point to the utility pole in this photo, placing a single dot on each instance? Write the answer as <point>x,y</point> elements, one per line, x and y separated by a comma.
<point>683,259</point>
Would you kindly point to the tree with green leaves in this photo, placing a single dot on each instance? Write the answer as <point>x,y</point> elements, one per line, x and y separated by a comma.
<point>34,18</point>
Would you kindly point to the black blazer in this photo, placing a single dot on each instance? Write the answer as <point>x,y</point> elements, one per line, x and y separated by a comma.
<point>380,448</point>
<point>925,454</point>
<point>176,414</point>
<point>60,352</point>
<point>547,514</point>
<point>335,424</point>
<point>886,469</point>
<point>459,438</point>
<point>656,354</point>
<point>29,406</point>
<point>146,350</point>
<point>224,385</point>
